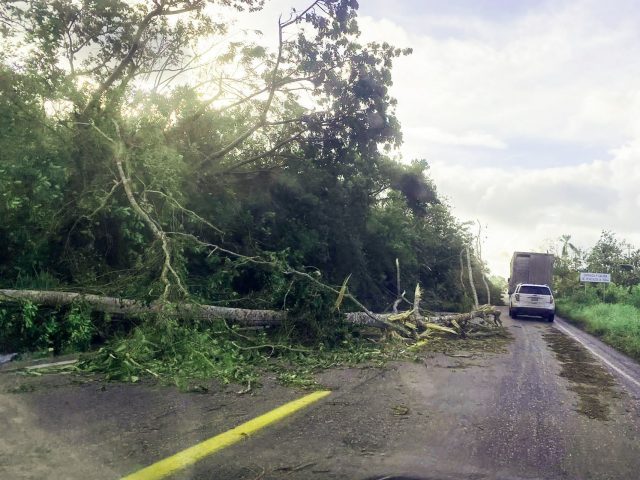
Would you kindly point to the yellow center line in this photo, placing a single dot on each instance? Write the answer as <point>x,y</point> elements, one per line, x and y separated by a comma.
<point>193,454</point>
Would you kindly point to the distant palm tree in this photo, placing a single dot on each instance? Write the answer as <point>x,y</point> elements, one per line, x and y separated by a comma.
<point>567,245</point>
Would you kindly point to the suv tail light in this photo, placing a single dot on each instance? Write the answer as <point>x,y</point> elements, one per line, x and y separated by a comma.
<point>551,300</point>
<point>517,297</point>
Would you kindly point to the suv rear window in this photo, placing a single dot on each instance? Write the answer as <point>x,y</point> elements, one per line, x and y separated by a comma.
<point>533,290</point>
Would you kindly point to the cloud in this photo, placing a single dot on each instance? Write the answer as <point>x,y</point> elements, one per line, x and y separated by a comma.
<point>526,208</point>
<point>531,121</point>
<point>559,75</point>
<point>467,139</point>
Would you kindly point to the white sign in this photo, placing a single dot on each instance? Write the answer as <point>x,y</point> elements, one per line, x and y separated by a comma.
<point>595,277</point>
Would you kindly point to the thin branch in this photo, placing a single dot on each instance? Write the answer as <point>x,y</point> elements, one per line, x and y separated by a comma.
<point>103,204</point>
<point>281,83</point>
<point>217,248</point>
<point>273,347</point>
<point>263,117</point>
<point>191,8</point>
<point>167,266</point>
<point>292,271</point>
<point>190,212</point>
<point>295,18</point>
<point>288,121</point>
<point>264,154</point>
<point>136,45</point>
<point>124,63</point>
<point>393,326</point>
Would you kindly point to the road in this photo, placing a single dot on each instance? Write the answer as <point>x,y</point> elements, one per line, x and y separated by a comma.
<point>541,406</point>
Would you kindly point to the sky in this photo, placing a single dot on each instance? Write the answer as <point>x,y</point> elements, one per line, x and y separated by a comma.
<point>528,112</point>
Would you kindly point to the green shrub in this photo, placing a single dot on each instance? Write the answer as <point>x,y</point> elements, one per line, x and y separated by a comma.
<point>78,329</point>
<point>28,328</point>
<point>633,297</point>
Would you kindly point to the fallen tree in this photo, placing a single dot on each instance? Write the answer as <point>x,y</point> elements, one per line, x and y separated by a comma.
<point>409,324</point>
<point>128,307</point>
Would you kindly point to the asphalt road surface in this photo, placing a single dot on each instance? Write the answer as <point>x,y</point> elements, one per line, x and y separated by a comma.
<point>551,403</point>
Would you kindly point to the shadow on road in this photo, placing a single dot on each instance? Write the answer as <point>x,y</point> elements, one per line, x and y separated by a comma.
<point>529,319</point>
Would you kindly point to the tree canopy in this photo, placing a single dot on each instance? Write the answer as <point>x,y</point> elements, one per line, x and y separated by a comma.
<point>150,151</point>
<point>609,254</point>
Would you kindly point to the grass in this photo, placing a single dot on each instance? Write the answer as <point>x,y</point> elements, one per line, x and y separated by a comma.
<point>616,324</point>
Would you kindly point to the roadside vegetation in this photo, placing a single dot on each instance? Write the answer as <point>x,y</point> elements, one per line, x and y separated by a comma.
<point>189,355</point>
<point>611,311</point>
<point>151,151</point>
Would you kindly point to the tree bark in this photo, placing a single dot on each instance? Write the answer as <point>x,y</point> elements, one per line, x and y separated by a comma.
<point>126,307</point>
<point>486,286</point>
<point>473,287</point>
<point>464,287</point>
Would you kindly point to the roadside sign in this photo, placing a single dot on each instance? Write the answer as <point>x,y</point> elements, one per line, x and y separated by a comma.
<point>595,277</point>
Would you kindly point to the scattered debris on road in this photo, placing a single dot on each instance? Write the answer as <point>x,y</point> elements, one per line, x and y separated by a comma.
<point>400,410</point>
<point>414,326</point>
<point>52,365</point>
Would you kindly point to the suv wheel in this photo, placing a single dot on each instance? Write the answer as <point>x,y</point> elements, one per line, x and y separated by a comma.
<point>551,317</point>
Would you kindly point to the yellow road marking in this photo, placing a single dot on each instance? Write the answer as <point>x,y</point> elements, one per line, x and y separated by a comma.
<point>193,454</point>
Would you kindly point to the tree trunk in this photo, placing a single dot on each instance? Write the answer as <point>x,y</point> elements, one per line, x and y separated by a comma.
<point>476,304</point>
<point>240,316</point>
<point>486,286</point>
<point>127,307</point>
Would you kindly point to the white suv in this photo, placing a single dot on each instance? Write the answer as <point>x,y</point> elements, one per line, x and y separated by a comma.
<point>530,299</point>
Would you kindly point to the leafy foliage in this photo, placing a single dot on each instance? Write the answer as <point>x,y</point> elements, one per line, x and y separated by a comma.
<point>609,255</point>
<point>188,354</point>
<point>129,150</point>
<point>27,327</point>
<point>612,311</point>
